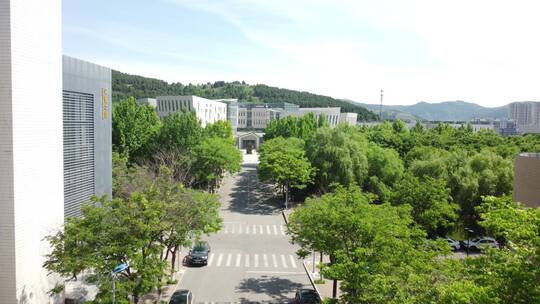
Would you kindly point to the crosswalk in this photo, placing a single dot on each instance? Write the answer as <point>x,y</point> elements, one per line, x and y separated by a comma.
<point>256,260</point>
<point>255,229</point>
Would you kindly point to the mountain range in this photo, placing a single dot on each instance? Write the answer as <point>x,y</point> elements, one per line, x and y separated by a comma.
<point>444,111</point>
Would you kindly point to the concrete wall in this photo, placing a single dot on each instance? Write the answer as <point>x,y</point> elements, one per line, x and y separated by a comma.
<point>85,77</point>
<point>208,111</point>
<point>527,179</point>
<point>348,118</point>
<point>31,182</point>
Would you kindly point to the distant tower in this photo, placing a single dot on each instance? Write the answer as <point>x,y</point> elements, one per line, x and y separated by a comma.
<point>380,108</point>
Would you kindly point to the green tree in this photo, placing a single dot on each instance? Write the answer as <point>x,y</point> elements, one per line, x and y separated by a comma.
<point>181,131</point>
<point>283,162</point>
<point>220,129</point>
<point>431,203</point>
<point>134,127</point>
<point>214,157</point>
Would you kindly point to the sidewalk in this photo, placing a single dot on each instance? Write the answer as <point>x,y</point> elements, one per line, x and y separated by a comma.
<point>324,289</point>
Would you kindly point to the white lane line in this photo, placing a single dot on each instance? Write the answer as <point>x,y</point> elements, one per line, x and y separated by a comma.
<point>256,262</point>
<point>240,229</point>
<point>265,260</point>
<point>275,230</point>
<point>233,229</point>
<point>210,259</point>
<point>268,229</point>
<point>274,260</point>
<point>284,261</point>
<point>238,258</point>
<point>226,229</point>
<point>260,229</point>
<point>247,260</point>
<point>254,229</point>
<point>293,261</point>
<point>274,272</point>
<point>229,258</point>
<point>282,229</point>
<point>247,229</point>
<point>219,259</point>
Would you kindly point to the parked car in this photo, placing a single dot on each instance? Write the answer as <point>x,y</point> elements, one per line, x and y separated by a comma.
<point>307,296</point>
<point>181,296</point>
<point>480,243</point>
<point>199,254</point>
<point>453,243</point>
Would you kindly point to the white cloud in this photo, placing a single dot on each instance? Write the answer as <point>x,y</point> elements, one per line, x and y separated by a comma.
<point>479,51</point>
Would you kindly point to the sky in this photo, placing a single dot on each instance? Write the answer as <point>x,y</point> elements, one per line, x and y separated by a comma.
<point>481,51</point>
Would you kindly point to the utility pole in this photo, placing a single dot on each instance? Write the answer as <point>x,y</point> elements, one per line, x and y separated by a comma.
<point>380,108</point>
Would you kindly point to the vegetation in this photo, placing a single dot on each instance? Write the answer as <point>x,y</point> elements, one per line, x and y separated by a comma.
<point>125,85</point>
<point>382,197</point>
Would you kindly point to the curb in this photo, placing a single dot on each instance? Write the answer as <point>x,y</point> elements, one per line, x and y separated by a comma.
<point>311,279</point>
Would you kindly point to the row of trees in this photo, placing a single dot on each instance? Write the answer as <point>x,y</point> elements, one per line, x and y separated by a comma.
<point>381,195</point>
<point>164,173</point>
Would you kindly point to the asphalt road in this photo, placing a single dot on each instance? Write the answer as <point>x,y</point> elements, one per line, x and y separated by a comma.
<point>252,260</point>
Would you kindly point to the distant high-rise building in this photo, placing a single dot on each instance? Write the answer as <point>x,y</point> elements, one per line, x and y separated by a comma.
<point>31,154</point>
<point>526,114</point>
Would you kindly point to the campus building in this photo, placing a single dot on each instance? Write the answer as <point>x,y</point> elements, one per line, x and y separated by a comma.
<point>31,154</point>
<point>87,133</point>
<point>208,111</point>
<point>148,101</point>
<point>527,179</point>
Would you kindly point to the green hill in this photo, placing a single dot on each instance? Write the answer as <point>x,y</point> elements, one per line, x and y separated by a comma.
<point>125,85</point>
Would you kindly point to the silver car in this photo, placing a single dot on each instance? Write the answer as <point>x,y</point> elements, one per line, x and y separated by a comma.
<point>480,243</point>
<point>454,244</point>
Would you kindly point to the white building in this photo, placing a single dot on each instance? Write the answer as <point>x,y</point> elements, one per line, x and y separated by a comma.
<point>332,114</point>
<point>348,118</point>
<point>208,111</point>
<point>31,153</point>
<point>148,101</point>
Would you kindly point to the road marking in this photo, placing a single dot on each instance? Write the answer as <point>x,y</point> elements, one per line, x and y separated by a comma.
<point>240,229</point>
<point>233,229</point>
<point>226,229</point>
<point>275,230</point>
<point>274,260</point>
<point>282,229</point>
<point>284,261</point>
<point>274,272</point>
<point>260,229</point>
<point>229,257</point>
<point>210,259</point>
<point>265,259</point>
<point>268,229</point>
<point>254,229</point>
<point>256,260</point>
<point>247,229</point>
<point>238,257</point>
<point>219,259</point>
<point>247,260</point>
<point>293,262</point>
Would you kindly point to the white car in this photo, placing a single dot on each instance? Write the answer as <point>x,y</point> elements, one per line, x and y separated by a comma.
<point>481,242</point>
<point>453,243</point>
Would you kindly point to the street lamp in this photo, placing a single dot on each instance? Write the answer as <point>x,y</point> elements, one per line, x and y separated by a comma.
<point>469,231</point>
<point>116,271</point>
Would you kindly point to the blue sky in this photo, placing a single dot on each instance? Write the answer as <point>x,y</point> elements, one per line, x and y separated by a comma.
<point>416,50</point>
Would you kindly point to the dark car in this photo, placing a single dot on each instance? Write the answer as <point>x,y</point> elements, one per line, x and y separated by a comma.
<point>181,296</point>
<point>307,296</point>
<point>199,254</point>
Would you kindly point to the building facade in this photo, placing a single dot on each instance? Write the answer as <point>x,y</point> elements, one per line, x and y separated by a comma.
<point>527,116</point>
<point>208,111</point>
<point>348,118</point>
<point>31,154</point>
<point>527,179</point>
<point>148,101</point>
<point>87,133</point>
<point>256,116</point>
